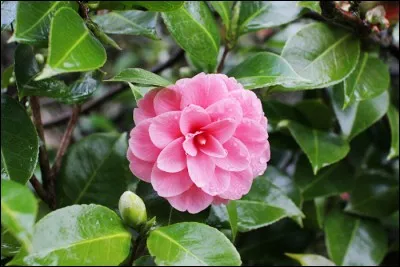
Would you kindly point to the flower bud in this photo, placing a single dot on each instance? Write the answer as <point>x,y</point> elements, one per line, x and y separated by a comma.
<point>132,209</point>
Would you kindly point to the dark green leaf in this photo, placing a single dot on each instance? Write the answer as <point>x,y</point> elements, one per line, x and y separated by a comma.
<point>310,259</point>
<point>131,22</point>
<point>140,76</point>
<point>257,15</point>
<point>233,218</point>
<point>191,244</point>
<point>159,6</point>
<point>376,195</point>
<point>321,148</point>
<point>95,170</point>
<point>359,116</point>
<point>278,40</point>
<point>352,241</point>
<point>144,261</point>
<point>263,70</point>
<point>313,5</point>
<point>32,24</point>
<point>6,75</point>
<point>317,114</point>
<point>323,54</point>
<point>277,111</point>
<point>320,210</point>
<point>18,211</point>
<point>9,244</point>
<point>330,181</point>
<point>223,9</point>
<point>82,88</point>
<point>8,10</point>
<point>19,142</point>
<point>195,17</point>
<point>393,116</point>
<point>78,235</point>
<point>72,48</point>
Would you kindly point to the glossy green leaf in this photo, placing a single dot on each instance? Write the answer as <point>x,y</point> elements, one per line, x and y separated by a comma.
<point>32,24</point>
<point>82,88</point>
<point>6,75</point>
<point>359,116</point>
<point>8,13</point>
<point>78,235</point>
<point>376,195</point>
<point>18,211</point>
<point>223,9</point>
<point>393,116</point>
<point>191,244</point>
<point>100,34</point>
<point>233,218</point>
<point>264,69</point>
<point>310,259</point>
<point>195,17</point>
<point>94,170</point>
<point>277,111</point>
<point>321,148</point>
<point>9,244</point>
<point>19,142</point>
<point>313,5</point>
<point>131,22</point>
<point>316,113</point>
<point>323,54</point>
<point>257,15</point>
<point>353,241</point>
<point>369,79</point>
<point>320,204</point>
<point>140,76</point>
<point>72,48</point>
<point>330,181</point>
<point>144,261</point>
<point>158,6</point>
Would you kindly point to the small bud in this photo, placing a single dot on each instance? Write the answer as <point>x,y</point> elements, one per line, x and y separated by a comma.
<point>132,209</point>
<point>39,58</point>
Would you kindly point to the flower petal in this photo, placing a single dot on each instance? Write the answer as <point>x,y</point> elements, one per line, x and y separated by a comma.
<point>170,184</point>
<point>225,108</point>
<point>141,169</point>
<point>223,130</point>
<point>219,183</point>
<point>193,200</point>
<point>258,163</point>
<point>218,201</point>
<point>145,109</point>
<point>167,100</point>
<point>240,185</point>
<point>172,158</point>
<point>250,103</point>
<point>189,147</point>
<point>165,128</point>
<point>201,169</point>
<point>253,135</point>
<point>141,144</point>
<point>238,157</point>
<point>213,148</point>
<point>193,118</point>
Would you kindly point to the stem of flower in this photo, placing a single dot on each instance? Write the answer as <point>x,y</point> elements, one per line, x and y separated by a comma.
<point>39,189</point>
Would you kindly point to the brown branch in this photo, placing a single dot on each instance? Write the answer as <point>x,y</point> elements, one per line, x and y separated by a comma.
<point>221,64</point>
<point>38,188</point>
<point>93,104</point>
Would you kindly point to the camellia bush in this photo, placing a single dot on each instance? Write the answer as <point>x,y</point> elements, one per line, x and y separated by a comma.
<point>199,133</point>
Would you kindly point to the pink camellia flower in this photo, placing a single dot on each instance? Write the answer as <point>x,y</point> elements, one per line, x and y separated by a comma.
<point>201,141</point>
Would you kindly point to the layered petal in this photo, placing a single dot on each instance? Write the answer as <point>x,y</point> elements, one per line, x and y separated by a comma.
<point>240,184</point>
<point>170,184</point>
<point>218,201</point>
<point>145,108</point>
<point>219,183</point>
<point>201,169</point>
<point>253,135</point>
<point>230,82</point>
<point>167,100</point>
<point>189,146</point>
<point>172,158</point>
<point>251,105</point>
<point>227,108</point>
<point>259,162</point>
<point>193,200</point>
<point>238,157</point>
<point>193,118</point>
<point>213,148</point>
<point>141,169</point>
<point>165,128</point>
<point>223,130</point>
<point>141,144</point>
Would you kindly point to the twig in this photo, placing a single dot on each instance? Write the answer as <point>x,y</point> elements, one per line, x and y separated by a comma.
<point>221,64</point>
<point>38,188</point>
<point>90,105</point>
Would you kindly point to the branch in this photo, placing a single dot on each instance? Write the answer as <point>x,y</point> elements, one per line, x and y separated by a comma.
<point>93,104</point>
<point>38,188</point>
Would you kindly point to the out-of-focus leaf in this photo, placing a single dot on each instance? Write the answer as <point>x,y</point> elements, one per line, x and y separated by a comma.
<point>19,142</point>
<point>233,218</point>
<point>393,116</point>
<point>320,210</point>
<point>8,13</point>
<point>313,5</point>
<point>78,235</point>
<point>140,76</point>
<point>279,39</point>
<point>144,261</point>
<point>9,244</point>
<point>6,75</point>
<point>318,115</point>
<point>223,9</point>
<point>310,259</point>
<point>186,248</point>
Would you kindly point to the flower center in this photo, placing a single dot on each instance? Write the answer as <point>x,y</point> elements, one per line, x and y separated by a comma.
<point>200,139</point>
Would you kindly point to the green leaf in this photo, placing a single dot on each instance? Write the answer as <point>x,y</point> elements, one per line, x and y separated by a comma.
<point>321,54</point>
<point>6,75</point>
<point>32,24</point>
<point>317,114</point>
<point>320,204</point>
<point>310,259</point>
<point>131,22</point>
<point>82,88</point>
<point>19,142</point>
<point>257,15</point>
<point>100,35</point>
<point>233,218</point>
<point>18,211</point>
<point>186,248</point>
<point>376,195</point>
<point>321,148</point>
<point>263,70</point>
<point>94,170</point>
<point>8,12</point>
<point>370,79</point>
<point>158,6</point>
<point>9,244</point>
<point>139,92</point>
<point>195,17</point>
<point>140,76</point>
<point>393,116</point>
<point>72,48</point>
<point>354,241</point>
<point>359,116</point>
<point>78,235</point>
<point>313,5</point>
<point>331,181</point>
<point>277,111</point>
<point>223,9</point>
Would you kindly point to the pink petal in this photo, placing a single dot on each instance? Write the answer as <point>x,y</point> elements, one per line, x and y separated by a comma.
<point>240,185</point>
<point>170,184</point>
<point>145,108</point>
<point>165,128</point>
<point>201,169</point>
<point>203,90</point>
<point>264,122</point>
<point>253,135</point>
<point>226,108</point>
<point>238,157</point>
<point>189,147</point>
<point>223,130</point>
<point>259,162</point>
<point>172,158</point>
<point>193,200</point>
<point>251,105</point>
<point>219,183</point>
<point>218,201</point>
<point>193,118</point>
<point>230,82</point>
<point>140,142</point>
<point>141,169</point>
<point>167,100</point>
<point>213,148</point>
